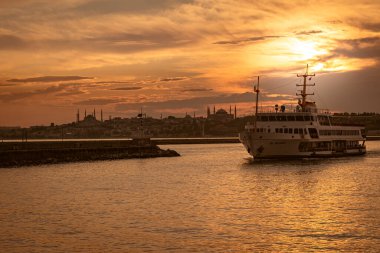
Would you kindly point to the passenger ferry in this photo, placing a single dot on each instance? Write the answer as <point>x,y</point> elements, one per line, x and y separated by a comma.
<point>300,133</point>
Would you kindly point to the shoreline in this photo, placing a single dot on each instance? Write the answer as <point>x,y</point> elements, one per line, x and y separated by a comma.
<point>156,141</point>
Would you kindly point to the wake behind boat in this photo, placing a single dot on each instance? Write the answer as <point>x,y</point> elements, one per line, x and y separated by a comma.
<point>300,133</point>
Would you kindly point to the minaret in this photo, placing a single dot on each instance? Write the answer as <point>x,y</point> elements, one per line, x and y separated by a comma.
<point>230,110</point>
<point>214,109</point>
<point>235,113</point>
<point>194,115</point>
<point>208,111</point>
<point>85,113</point>
<point>101,115</point>
<point>94,114</point>
<point>78,116</point>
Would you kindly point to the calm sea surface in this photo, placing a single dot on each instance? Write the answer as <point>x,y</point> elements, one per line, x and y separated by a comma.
<point>211,199</point>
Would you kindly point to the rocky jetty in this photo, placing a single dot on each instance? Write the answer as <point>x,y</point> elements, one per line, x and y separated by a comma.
<point>15,154</point>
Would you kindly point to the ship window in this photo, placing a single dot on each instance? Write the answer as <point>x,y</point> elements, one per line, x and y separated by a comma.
<point>291,118</point>
<point>313,132</point>
<point>299,118</point>
<point>272,118</point>
<point>276,130</point>
<point>280,130</point>
<point>323,120</point>
<point>300,130</point>
<point>312,118</point>
<point>281,118</point>
<point>285,130</point>
<point>296,130</point>
<point>307,118</point>
<point>268,130</point>
<point>290,130</point>
<point>264,118</point>
<point>305,131</point>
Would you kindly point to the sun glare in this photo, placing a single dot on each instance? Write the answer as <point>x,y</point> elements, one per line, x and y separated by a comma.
<point>305,50</point>
<point>318,67</point>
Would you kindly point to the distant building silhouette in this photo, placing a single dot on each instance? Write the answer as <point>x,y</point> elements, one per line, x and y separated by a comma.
<point>78,116</point>
<point>221,114</point>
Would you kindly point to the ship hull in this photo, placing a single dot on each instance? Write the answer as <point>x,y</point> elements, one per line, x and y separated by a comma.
<point>260,148</point>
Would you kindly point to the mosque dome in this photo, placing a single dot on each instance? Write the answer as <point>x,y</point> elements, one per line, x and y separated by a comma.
<point>221,112</point>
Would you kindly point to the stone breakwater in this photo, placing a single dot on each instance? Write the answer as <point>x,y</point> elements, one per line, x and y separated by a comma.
<point>15,154</point>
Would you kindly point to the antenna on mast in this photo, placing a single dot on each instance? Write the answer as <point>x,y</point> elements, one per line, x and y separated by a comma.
<point>257,90</point>
<point>303,93</point>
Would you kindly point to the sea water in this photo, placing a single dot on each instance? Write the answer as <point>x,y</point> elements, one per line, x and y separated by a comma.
<point>211,199</point>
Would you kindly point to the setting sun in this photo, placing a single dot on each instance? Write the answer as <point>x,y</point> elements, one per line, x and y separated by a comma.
<point>305,50</point>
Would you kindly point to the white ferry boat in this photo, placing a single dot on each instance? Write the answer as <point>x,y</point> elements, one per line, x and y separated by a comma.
<point>300,133</point>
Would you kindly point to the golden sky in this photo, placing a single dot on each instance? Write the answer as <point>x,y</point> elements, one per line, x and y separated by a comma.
<point>178,56</point>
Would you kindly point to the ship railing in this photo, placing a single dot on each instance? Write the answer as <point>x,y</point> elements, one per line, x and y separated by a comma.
<point>317,111</point>
<point>347,124</point>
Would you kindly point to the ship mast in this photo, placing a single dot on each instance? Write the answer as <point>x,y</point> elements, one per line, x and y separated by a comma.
<point>257,90</point>
<point>303,93</point>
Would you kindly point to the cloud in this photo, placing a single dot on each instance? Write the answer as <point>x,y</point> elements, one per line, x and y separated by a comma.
<point>371,26</point>
<point>99,101</point>
<point>335,21</point>
<point>11,42</point>
<point>152,36</point>
<point>195,102</point>
<point>49,79</point>
<point>197,89</point>
<point>70,93</point>
<point>353,91</point>
<point>7,84</point>
<point>127,88</point>
<point>63,89</point>
<point>13,96</point>
<point>129,7</point>
<point>368,47</point>
<point>359,41</point>
<point>246,40</point>
<point>112,82</point>
<point>171,79</point>
<point>310,32</point>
